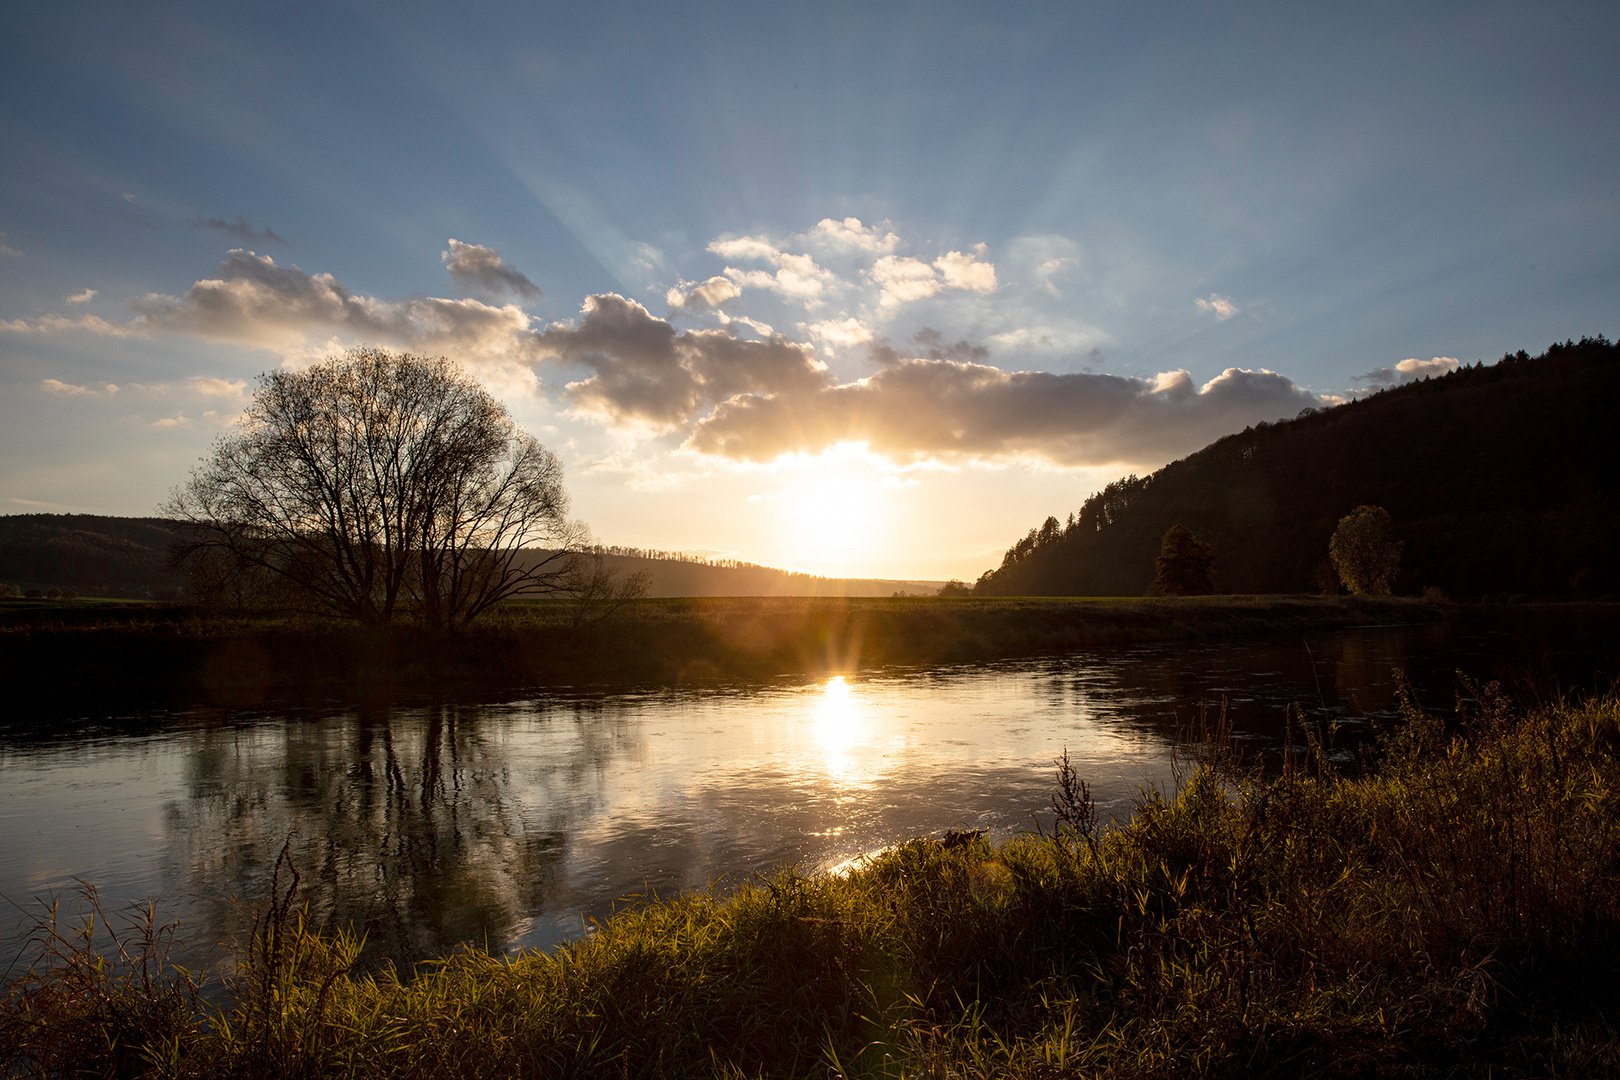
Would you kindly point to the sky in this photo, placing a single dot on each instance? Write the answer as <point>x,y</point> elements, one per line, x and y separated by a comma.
<point>864,289</point>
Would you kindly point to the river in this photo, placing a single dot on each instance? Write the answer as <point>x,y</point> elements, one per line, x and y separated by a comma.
<point>516,823</point>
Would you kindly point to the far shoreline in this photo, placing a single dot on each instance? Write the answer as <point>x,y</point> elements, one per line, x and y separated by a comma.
<point>89,654</point>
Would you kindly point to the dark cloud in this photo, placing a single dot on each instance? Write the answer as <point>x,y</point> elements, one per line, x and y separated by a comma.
<point>643,370</point>
<point>934,347</point>
<point>948,409</point>
<point>1407,371</point>
<point>480,269</point>
<point>756,400</point>
<point>241,228</point>
<point>253,300</point>
<point>746,400</point>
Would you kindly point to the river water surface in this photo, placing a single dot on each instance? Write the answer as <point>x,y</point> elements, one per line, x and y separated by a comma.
<point>515,823</point>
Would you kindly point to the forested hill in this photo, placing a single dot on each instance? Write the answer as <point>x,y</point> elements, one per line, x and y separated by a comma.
<point>95,555</point>
<point>1501,479</point>
<point>671,574</point>
<point>89,553</point>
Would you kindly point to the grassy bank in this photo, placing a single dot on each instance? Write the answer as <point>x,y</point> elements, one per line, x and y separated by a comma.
<point>74,653</point>
<point>1452,912</point>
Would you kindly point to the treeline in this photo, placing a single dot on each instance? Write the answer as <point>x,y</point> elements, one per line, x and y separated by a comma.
<point>657,555</point>
<point>93,554</point>
<point>669,574</point>
<point>126,558</point>
<point>1500,480</point>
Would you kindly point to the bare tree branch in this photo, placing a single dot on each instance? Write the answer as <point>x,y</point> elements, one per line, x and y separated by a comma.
<point>372,486</point>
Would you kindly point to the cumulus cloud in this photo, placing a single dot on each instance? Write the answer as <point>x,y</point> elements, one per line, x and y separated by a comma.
<point>643,371</point>
<point>901,278</point>
<point>961,271</point>
<point>850,235</point>
<point>756,400</point>
<point>1408,371</point>
<point>948,409</point>
<point>722,394</point>
<point>82,297</point>
<point>179,420</point>
<point>234,390</point>
<point>710,294</point>
<point>841,332</point>
<point>763,329</point>
<point>480,269</point>
<point>797,277</point>
<point>1222,306</point>
<point>746,249</point>
<point>52,324</point>
<point>241,228</point>
<point>57,386</point>
<point>256,302</point>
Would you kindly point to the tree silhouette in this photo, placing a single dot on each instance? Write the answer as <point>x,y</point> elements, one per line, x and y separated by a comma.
<point>375,485</point>
<point>1185,564</point>
<point>1364,553</point>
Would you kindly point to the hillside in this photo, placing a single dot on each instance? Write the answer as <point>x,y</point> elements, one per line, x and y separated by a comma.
<point>1501,479</point>
<point>88,553</point>
<point>124,557</point>
<point>670,574</point>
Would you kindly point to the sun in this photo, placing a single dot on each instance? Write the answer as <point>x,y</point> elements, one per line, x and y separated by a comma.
<point>833,515</point>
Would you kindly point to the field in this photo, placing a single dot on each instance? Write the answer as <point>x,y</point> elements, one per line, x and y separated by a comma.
<point>89,652</point>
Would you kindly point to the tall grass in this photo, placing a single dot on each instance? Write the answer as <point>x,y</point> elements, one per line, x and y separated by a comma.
<point>1449,910</point>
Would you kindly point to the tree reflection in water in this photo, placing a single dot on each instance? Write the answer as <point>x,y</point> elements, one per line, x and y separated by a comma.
<point>403,827</point>
<point>507,824</point>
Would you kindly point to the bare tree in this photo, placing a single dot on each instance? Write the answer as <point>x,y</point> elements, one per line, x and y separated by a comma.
<point>374,486</point>
<point>598,592</point>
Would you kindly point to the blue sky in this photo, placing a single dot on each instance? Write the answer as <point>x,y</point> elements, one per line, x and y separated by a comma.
<point>864,288</point>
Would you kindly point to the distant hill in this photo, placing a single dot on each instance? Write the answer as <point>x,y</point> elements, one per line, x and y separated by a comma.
<point>671,574</point>
<point>121,557</point>
<point>1501,479</point>
<point>88,553</point>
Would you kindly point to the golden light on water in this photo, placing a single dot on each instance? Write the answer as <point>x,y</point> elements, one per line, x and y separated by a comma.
<point>840,726</point>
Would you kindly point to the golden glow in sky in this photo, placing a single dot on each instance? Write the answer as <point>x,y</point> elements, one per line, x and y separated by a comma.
<point>782,242</point>
<point>834,513</point>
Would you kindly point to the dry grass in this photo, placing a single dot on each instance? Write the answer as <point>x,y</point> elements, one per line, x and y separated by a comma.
<point>1453,911</point>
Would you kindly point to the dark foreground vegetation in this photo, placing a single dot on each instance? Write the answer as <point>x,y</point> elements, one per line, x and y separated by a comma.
<point>84,652</point>
<point>1499,480</point>
<point>1450,911</point>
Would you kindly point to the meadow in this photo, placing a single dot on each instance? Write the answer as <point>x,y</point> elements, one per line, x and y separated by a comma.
<point>66,653</point>
<point>1446,907</point>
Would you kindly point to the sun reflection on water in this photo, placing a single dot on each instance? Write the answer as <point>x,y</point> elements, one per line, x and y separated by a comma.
<point>839,727</point>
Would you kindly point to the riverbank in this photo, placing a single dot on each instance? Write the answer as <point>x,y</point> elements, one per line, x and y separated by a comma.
<point>1454,912</point>
<point>66,654</point>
